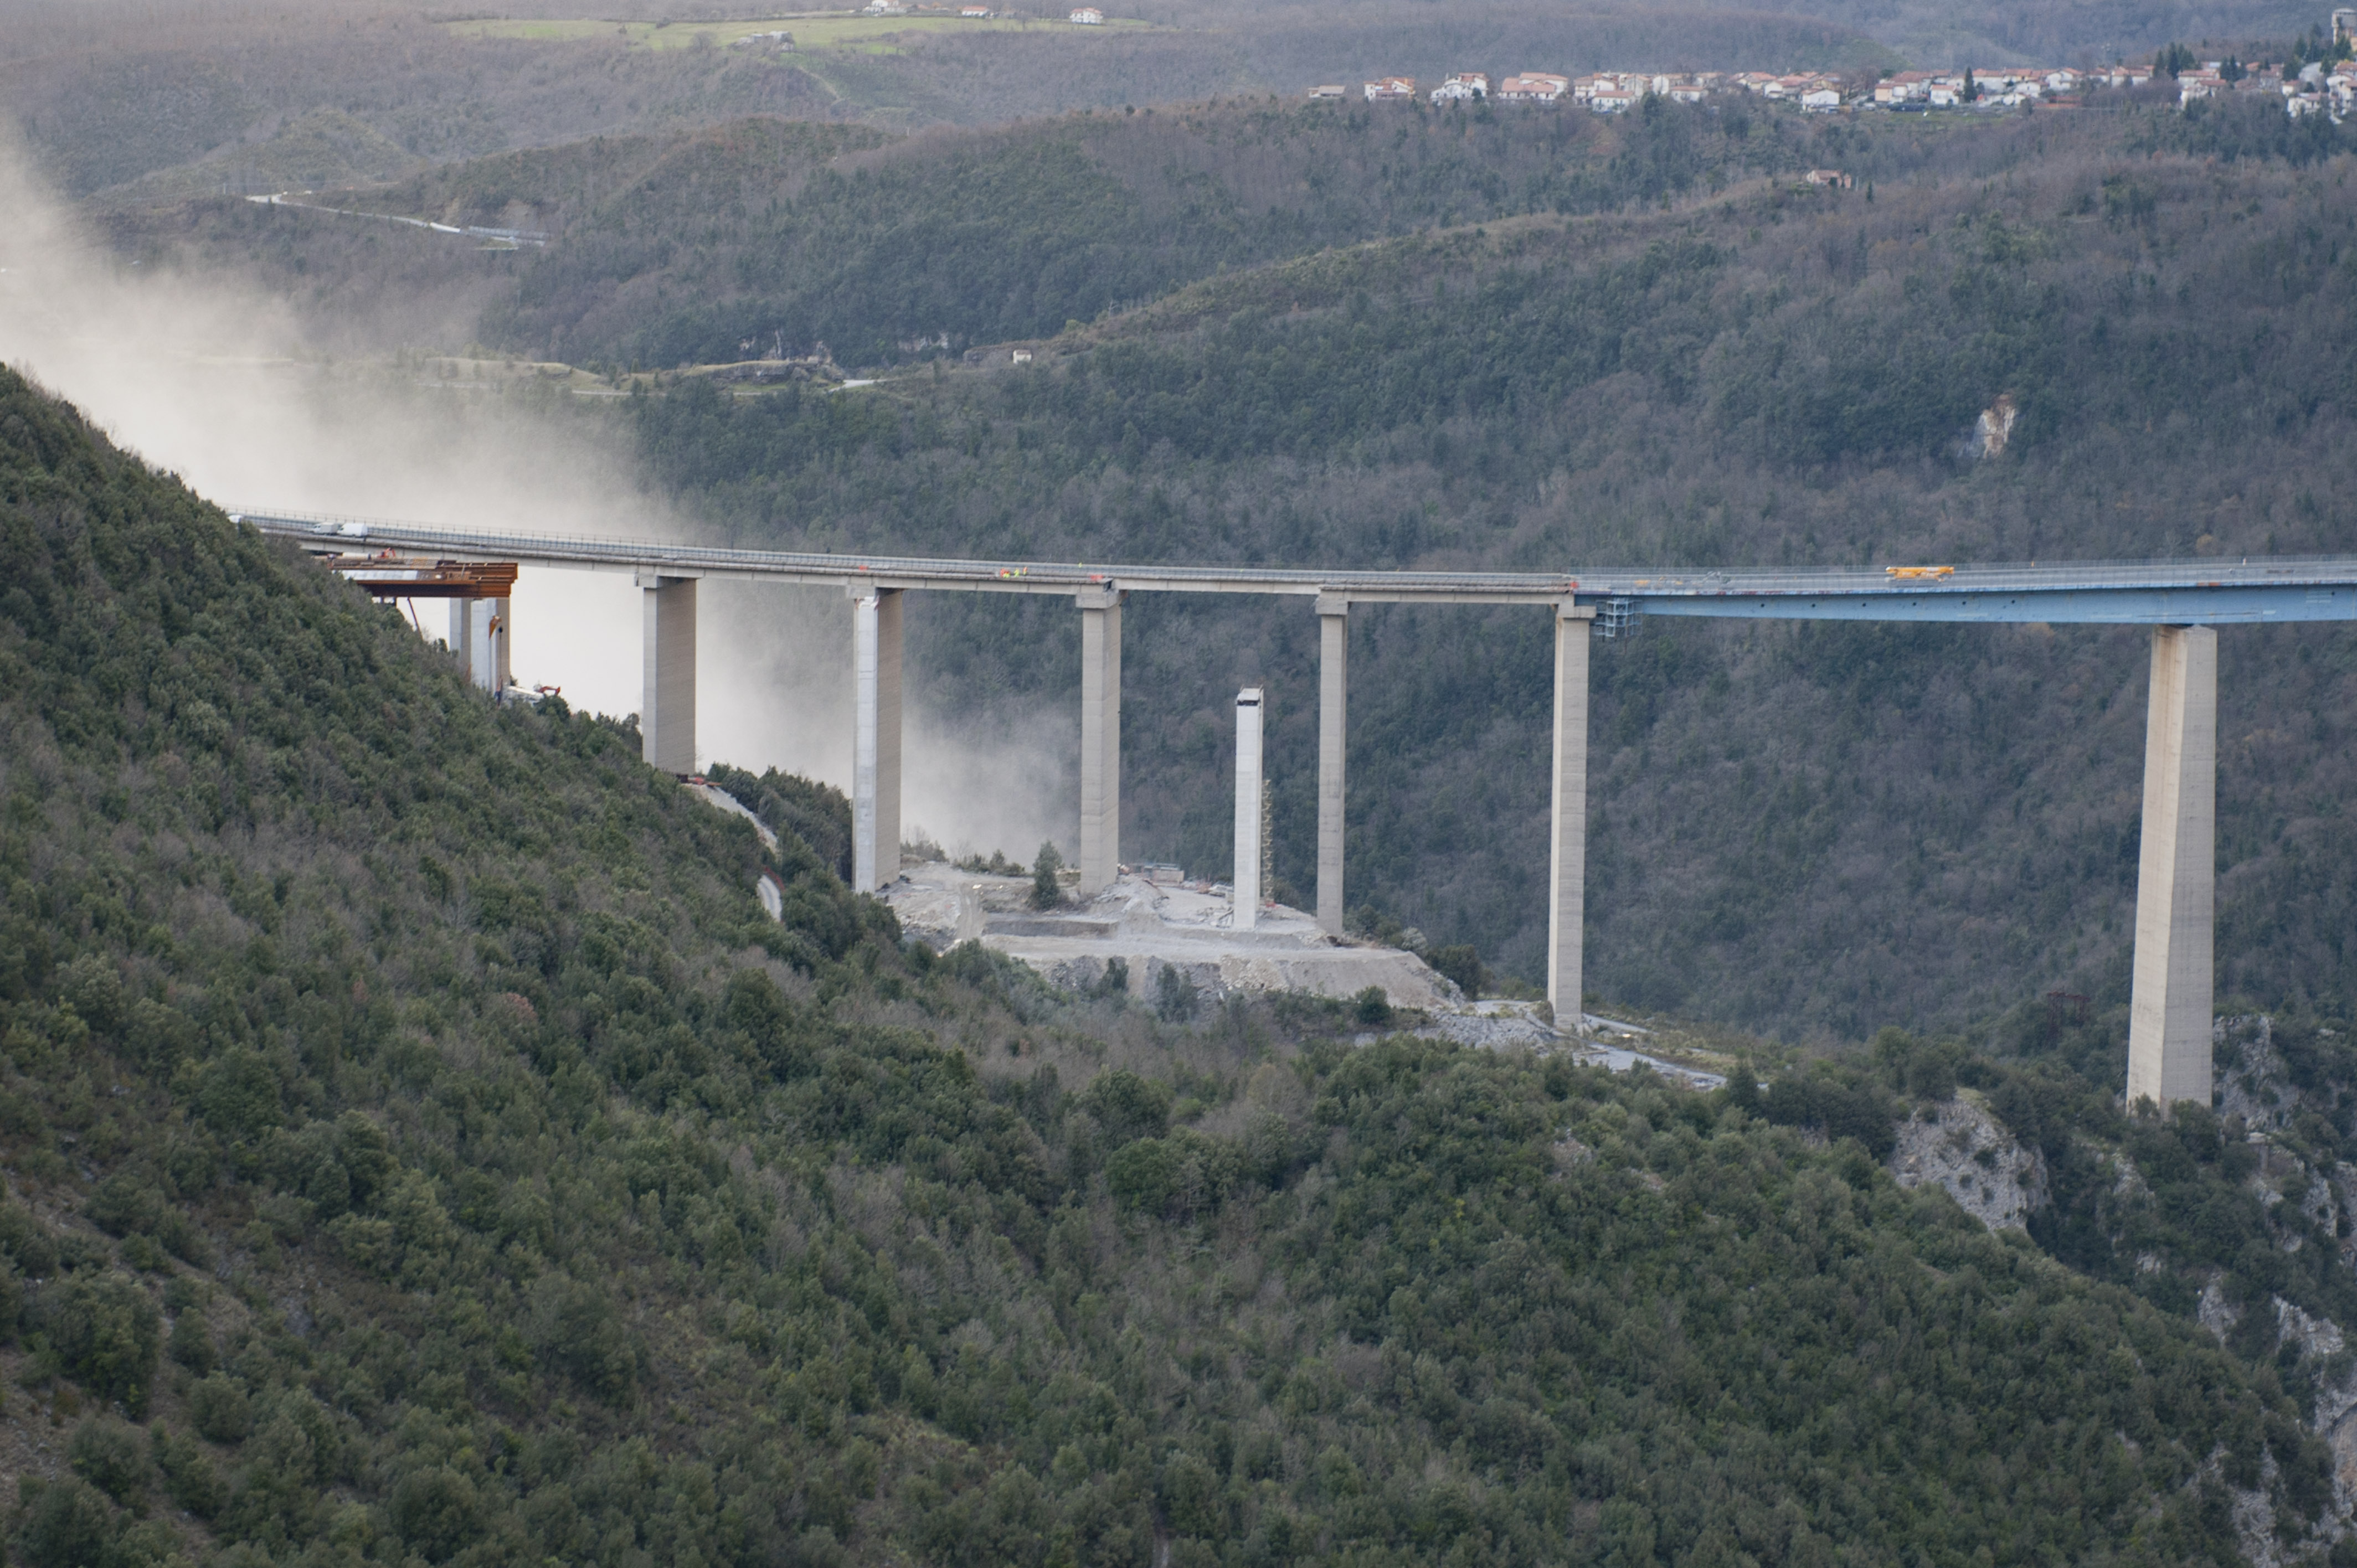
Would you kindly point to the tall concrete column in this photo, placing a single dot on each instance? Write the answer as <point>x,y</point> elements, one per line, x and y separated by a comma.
<point>667,707</point>
<point>1248,783</point>
<point>2169,1011</point>
<point>479,635</point>
<point>1099,739</point>
<point>1333,690</point>
<point>504,646</point>
<point>874,738</point>
<point>1567,815</point>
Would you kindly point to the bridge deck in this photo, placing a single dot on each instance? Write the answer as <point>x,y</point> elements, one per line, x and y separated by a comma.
<point>2202,592</point>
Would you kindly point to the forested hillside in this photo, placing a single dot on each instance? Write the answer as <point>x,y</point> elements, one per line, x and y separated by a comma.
<point>419,1146</point>
<point>106,93</point>
<point>940,242</point>
<point>1936,823</point>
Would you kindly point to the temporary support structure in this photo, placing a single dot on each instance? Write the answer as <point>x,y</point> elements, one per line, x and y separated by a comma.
<point>1248,810</point>
<point>478,636</point>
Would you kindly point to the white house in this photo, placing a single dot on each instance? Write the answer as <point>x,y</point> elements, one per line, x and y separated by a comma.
<point>1533,87</point>
<point>1820,101</point>
<point>1461,86</point>
<point>1390,88</point>
<point>1088,17</point>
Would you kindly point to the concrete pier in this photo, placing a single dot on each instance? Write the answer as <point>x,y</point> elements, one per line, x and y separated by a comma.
<point>1333,693</point>
<point>1099,739</point>
<point>1248,783</point>
<point>1568,814</point>
<point>874,738</point>
<point>667,708</point>
<point>478,636</point>
<point>2169,1009</point>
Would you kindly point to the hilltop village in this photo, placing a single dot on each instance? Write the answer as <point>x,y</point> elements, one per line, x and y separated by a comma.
<point>2319,78</point>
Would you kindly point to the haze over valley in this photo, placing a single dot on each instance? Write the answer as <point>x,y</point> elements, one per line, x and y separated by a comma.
<point>433,1132</point>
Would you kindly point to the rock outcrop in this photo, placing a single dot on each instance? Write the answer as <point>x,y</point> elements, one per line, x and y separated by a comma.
<point>1958,1146</point>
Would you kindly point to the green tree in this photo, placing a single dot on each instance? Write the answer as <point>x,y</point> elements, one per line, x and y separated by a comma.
<point>1047,891</point>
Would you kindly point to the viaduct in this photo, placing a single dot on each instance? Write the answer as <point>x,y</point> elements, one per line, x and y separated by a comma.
<point>2183,601</point>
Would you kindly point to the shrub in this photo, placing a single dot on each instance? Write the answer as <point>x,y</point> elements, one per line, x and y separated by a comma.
<point>67,1524</point>
<point>576,1331</point>
<point>106,1333</point>
<point>110,1456</point>
<point>1128,1107</point>
<point>1460,965</point>
<point>436,1512</point>
<point>192,1342</point>
<point>124,1203</point>
<point>1176,999</point>
<point>218,1406</point>
<point>1047,892</point>
<point>189,1478</point>
<point>27,1242</point>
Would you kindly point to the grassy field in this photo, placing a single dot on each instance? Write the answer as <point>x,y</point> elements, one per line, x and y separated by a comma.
<point>819,30</point>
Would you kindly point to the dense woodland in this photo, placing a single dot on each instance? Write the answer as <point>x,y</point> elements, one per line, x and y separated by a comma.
<point>420,1146</point>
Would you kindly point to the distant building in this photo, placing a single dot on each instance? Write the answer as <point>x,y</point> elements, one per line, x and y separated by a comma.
<point>1463,85</point>
<point>1533,87</point>
<point>1832,176</point>
<point>979,13</point>
<point>1088,17</point>
<point>2344,22</point>
<point>1820,101</point>
<point>1906,87</point>
<point>1018,357</point>
<point>1332,90</point>
<point>1390,88</point>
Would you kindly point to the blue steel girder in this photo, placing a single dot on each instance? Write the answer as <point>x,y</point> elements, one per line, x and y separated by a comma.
<point>2219,604</point>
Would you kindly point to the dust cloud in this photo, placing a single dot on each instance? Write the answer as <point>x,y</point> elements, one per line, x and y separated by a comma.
<point>210,378</point>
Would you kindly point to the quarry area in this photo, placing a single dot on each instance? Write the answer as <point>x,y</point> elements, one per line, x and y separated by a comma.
<point>1146,928</point>
<point>1157,936</point>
